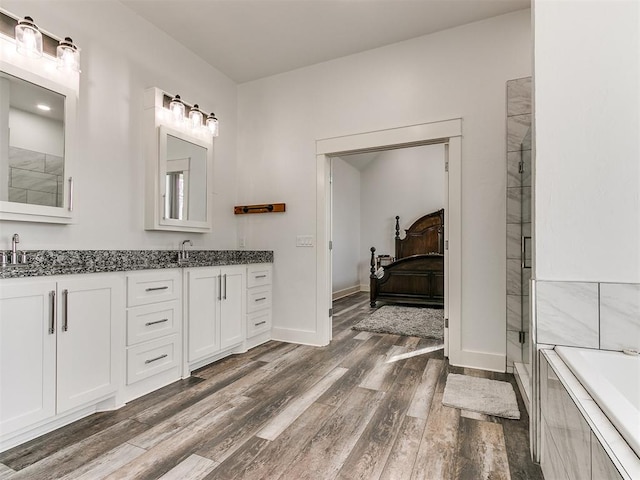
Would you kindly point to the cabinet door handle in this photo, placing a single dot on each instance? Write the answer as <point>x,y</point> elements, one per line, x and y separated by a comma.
<point>71,194</point>
<point>225,287</point>
<point>219,287</point>
<point>153,289</point>
<point>52,316</point>
<point>65,310</point>
<point>260,299</point>
<point>260,276</point>
<point>156,322</point>
<point>151,360</point>
<point>260,323</point>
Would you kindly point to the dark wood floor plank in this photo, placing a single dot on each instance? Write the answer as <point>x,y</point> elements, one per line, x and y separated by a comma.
<point>436,455</point>
<point>46,445</point>
<point>403,454</point>
<point>275,457</point>
<point>325,453</point>
<point>172,450</point>
<point>164,409</point>
<point>77,454</point>
<point>481,452</point>
<point>369,455</point>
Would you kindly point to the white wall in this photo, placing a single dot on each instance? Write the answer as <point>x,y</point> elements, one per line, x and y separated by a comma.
<point>587,119</point>
<point>121,56</point>
<point>455,73</point>
<point>35,133</point>
<point>346,225</point>
<point>408,182</point>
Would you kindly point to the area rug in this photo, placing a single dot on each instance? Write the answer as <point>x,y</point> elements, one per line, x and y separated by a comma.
<point>491,397</point>
<point>401,320</point>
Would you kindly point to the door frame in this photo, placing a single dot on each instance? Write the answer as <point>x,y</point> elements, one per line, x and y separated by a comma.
<point>447,132</point>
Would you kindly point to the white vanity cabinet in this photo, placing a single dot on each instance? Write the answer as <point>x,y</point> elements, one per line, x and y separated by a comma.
<point>153,331</point>
<point>259,296</point>
<point>59,349</point>
<point>214,309</point>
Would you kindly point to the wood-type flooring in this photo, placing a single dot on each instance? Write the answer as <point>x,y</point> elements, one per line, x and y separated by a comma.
<point>367,406</point>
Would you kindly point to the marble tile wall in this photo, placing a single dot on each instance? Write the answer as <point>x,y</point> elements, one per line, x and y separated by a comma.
<point>518,214</point>
<point>35,178</point>
<point>604,316</point>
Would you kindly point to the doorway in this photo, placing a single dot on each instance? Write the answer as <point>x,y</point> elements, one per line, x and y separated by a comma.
<point>447,133</point>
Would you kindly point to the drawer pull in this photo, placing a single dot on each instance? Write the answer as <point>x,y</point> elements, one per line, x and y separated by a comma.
<point>156,359</point>
<point>261,276</point>
<point>156,321</point>
<point>260,299</point>
<point>153,289</point>
<point>260,323</point>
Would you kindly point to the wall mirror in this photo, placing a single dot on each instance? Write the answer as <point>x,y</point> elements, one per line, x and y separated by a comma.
<point>183,165</point>
<point>179,172</point>
<point>37,131</point>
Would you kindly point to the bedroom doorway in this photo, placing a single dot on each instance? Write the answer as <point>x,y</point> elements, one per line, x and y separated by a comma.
<point>446,133</point>
<point>368,191</point>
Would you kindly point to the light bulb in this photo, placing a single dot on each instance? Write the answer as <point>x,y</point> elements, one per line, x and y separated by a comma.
<point>68,56</point>
<point>28,38</point>
<point>177,109</point>
<point>195,117</point>
<point>213,125</point>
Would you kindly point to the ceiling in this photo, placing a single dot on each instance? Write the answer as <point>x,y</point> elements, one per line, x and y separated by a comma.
<point>251,39</point>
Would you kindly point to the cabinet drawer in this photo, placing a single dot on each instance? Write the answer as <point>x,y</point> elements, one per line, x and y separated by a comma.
<point>258,298</point>
<point>149,322</point>
<point>258,322</point>
<point>258,275</point>
<point>150,358</point>
<point>160,286</point>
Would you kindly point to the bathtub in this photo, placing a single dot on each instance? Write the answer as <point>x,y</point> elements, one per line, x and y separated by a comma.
<point>613,381</point>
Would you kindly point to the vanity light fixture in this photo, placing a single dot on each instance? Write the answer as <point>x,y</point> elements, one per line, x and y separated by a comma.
<point>177,109</point>
<point>213,125</point>
<point>195,117</point>
<point>68,55</point>
<point>28,38</point>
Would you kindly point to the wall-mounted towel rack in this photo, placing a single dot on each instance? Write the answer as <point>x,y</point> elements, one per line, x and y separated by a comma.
<point>263,208</point>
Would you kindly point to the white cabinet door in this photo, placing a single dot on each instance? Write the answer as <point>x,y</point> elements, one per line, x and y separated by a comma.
<point>90,312</point>
<point>27,353</point>
<point>231,306</point>
<point>202,311</point>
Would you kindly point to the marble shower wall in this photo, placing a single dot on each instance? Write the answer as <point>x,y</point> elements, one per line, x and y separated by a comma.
<point>518,215</point>
<point>604,316</point>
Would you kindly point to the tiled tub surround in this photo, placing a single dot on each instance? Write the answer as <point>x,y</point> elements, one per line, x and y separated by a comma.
<point>578,440</point>
<point>593,315</point>
<point>64,262</point>
<point>35,178</point>
<point>518,215</point>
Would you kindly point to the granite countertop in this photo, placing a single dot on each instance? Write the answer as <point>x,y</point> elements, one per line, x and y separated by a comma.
<point>64,262</point>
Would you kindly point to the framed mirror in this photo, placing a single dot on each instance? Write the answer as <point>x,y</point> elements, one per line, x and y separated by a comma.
<point>179,172</point>
<point>183,164</point>
<point>37,132</point>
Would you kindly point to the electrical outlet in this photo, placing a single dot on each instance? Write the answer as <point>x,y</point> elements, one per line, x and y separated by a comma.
<point>304,241</point>
<point>242,242</point>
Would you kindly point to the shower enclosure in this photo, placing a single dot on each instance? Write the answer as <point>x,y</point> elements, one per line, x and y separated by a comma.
<point>519,243</point>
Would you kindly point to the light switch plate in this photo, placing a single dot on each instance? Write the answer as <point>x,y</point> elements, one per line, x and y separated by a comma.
<point>304,241</point>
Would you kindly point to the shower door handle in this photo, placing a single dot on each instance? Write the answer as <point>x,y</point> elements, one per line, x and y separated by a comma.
<point>523,251</point>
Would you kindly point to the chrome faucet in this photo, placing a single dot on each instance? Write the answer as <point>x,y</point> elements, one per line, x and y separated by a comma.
<point>184,254</point>
<point>14,254</point>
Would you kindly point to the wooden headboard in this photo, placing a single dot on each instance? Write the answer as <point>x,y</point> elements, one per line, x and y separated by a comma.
<point>426,235</point>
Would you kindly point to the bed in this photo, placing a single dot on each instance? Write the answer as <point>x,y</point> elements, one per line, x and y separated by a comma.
<point>416,275</point>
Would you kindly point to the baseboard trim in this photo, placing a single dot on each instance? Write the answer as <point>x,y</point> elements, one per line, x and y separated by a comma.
<point>303,337</point>
<point>345,292</point>
<point>493,362</point>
